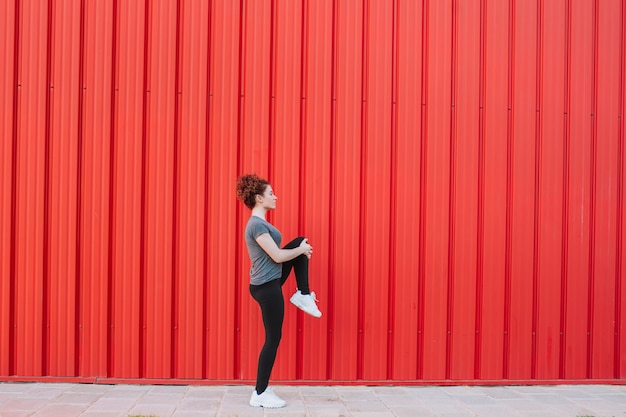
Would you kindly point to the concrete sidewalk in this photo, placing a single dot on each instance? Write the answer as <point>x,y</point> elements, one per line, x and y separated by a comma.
<point>96,400</point>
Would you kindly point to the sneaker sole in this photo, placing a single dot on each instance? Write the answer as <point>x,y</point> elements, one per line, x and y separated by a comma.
<point>254,404</point>
<point>301,307</point>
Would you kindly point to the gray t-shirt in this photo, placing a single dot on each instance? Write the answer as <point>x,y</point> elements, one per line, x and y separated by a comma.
<point>263,269</point>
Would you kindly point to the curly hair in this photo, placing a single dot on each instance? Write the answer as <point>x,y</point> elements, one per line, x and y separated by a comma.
<point>248,186</point>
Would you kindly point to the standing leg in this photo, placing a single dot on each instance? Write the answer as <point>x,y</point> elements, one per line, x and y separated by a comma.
<point>300,265</point>
<point>270,299</point>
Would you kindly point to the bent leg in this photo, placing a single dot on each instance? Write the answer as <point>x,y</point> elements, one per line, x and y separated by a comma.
<point>300,265</point>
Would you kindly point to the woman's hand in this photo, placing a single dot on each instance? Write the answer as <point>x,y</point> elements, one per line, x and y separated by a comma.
<point>307,249</point>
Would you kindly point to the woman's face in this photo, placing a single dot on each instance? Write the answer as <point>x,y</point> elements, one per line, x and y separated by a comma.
<point>268,199</point>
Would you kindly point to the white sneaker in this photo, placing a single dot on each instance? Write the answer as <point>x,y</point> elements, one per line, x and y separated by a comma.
<point>306,303</point>
<point>267,399</point>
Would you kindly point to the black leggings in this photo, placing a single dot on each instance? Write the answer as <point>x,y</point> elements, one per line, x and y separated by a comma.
<point>270,299</point>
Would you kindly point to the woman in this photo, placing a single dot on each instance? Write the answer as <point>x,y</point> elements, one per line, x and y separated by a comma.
<point>271,266</point>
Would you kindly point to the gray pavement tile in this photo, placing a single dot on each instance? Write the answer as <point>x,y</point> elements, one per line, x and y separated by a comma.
<point>214,392</point>
<point>24,403</point>
<point>372,414</point>
<point>16,387</point>
<point>195,404</point>
<point>532,389</point>
<point>460,413</point>
<point>599,405</point>
<point>159,410</point>
<point>615,398</point>
<point>544,413</point>
<point>361,394</point>
<point>169,389</point>
<point>572,393</point>
<point>448,407</point>
<point>499,393</point>
<point>323,413</point>
<point>102,388</point>
<point>240,411</point>
<point>103,414</point>
<point>477,398</point>
<point>328,411</point>
<point>164,398</point>
<point>403,400</point>
<point>313,391</point>
<point>76,398</point>
<point>550,399</point>
<point>56,410</point>
<point>108,404</point>
<point>405,411</point>
<point>322,402</point>
<point>522,404</point>
<point>288,410</point>
<point>16,413</point>
<point>124,393</point>
<point>430,393</point>
<point>363,406</point>
<point>184,413</point>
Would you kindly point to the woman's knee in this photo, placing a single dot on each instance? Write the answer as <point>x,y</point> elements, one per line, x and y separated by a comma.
<point>294,243</point>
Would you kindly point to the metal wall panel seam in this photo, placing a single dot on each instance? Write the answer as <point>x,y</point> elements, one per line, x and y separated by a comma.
<point>45,353</point>
<point>363,192</point>
<point>176,290</point>
<point>452,191</point>
<point>110,365</point>
<point>207,208</point>
<point>509,194</point>
<point>332,218</point>
<point>421,310</point>
<point>6,177</point>
<point>537,191</point>
<point>393,186</point>
<point>566,184</point>
<point>480,236</point>
<point>593,192</point>
<point>620,201</point>
<point>14,155</point>
<point>79,194</point>
<point>141,351</point>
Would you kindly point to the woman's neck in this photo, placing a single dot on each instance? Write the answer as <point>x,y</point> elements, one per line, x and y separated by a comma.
<point>259,212</point>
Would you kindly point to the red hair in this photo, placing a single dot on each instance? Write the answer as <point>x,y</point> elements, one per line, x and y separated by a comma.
<point>248,186</point>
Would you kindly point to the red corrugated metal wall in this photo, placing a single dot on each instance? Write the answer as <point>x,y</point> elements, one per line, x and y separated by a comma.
<point>458,166</point>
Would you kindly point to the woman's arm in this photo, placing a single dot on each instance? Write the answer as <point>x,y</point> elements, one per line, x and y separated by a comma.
<point>282,255</point>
